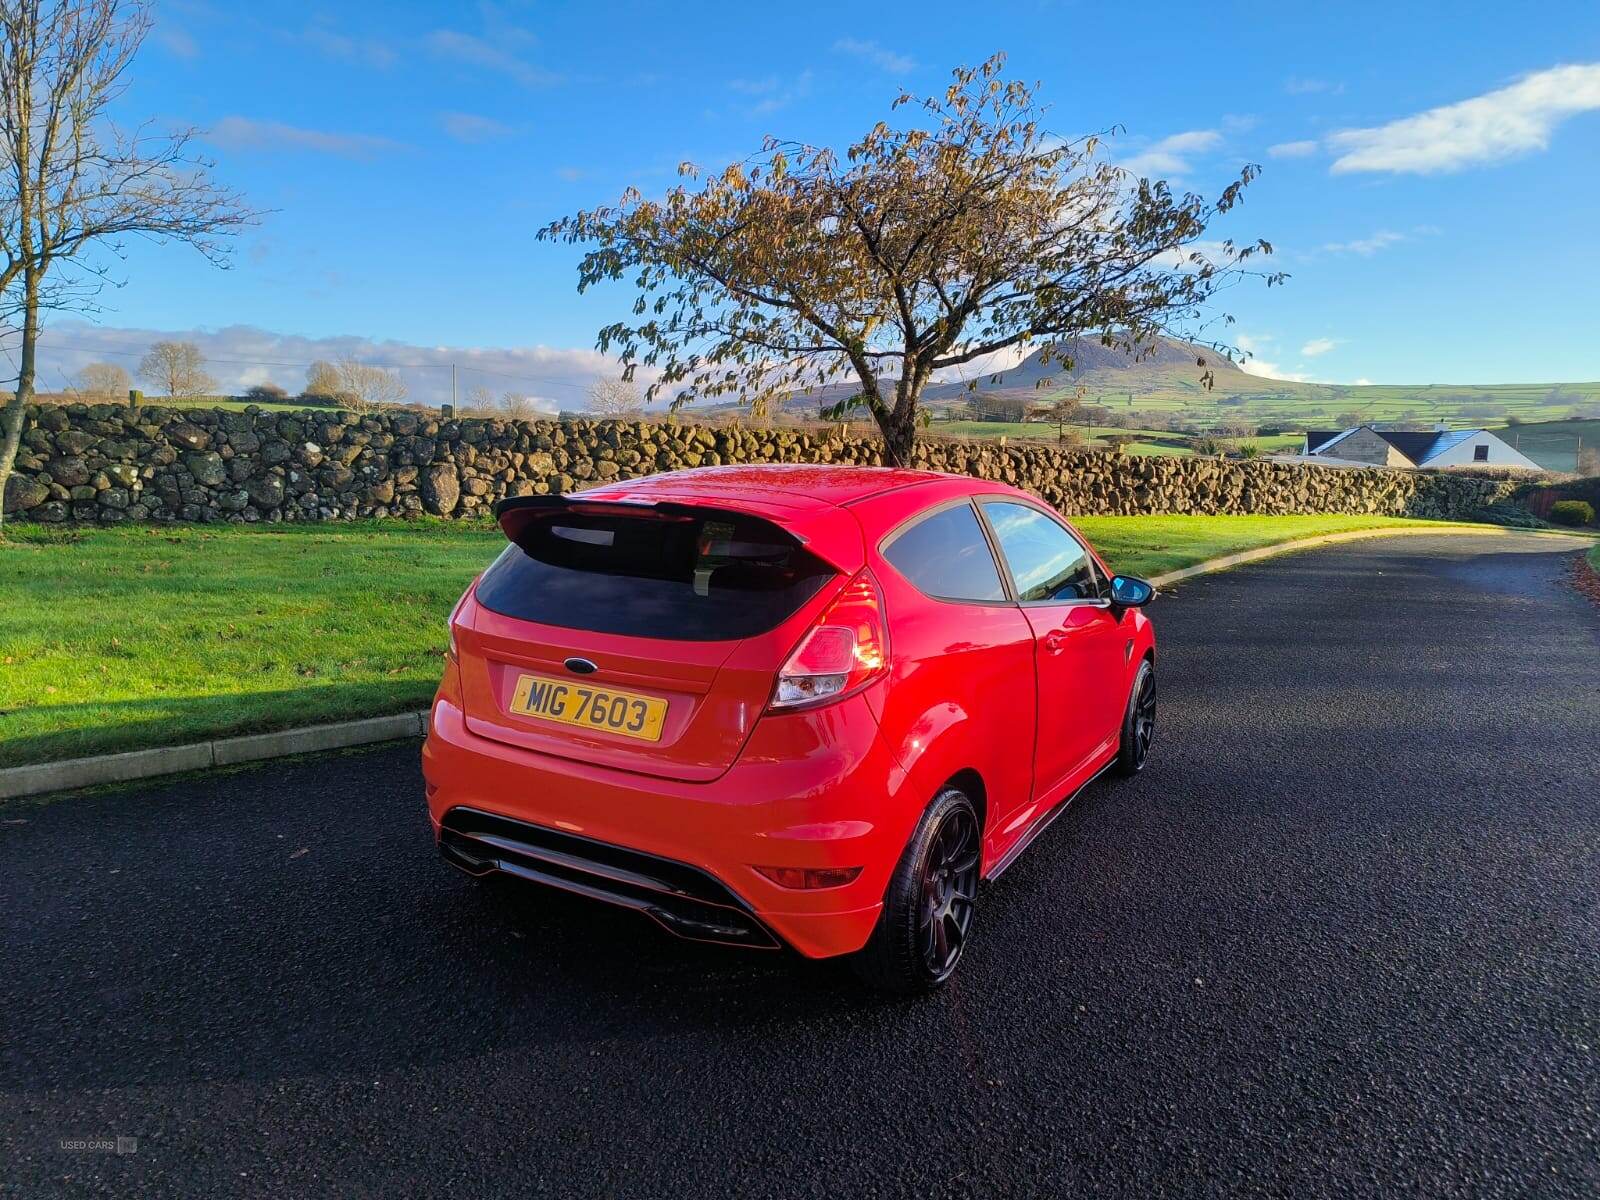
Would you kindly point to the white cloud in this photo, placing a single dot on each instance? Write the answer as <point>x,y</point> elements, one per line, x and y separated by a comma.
<point>489,56</point>
<point>754,87</point>
<point>1362,382</point>
<point>369,51</point>
<point>471,128</point>
<point>1271,370</point>
<point>771,94</point>
<point>1253,364</point>
<point>886,60</point>
<point>1365,247</point>
<point>239,355</point>
<point>1318,346</point>
<point>1292,149</point>
<point>178,43</point>
<point>244,133</point>
<point>1484,129</point>
<point>1171,155</point>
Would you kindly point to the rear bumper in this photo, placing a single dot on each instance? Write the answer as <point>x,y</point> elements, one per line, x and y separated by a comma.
<point>810,790</point>
<point>681,899</point>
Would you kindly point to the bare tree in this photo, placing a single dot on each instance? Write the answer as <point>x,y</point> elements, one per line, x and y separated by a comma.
<point>72,183</point>
<point>322,381</point>
<point>178,369</point>
<point>104,383</point>
<point>363,388</point>
<point>478,402</point>
<point>615,398</point>
<point>519,406</point>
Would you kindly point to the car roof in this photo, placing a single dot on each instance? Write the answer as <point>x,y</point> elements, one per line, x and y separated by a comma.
<point>772,486</point>
<point>834,509</point>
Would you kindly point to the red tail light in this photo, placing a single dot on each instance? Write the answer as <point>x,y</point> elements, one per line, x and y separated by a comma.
<point>810,878</point>
<point>846,649</point>
<point>451,653</point>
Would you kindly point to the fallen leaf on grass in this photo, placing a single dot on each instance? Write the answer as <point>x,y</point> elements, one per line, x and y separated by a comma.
<point>299,852</point>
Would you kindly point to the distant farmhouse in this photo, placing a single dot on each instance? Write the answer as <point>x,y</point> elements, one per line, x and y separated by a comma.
<point>1368,446</point>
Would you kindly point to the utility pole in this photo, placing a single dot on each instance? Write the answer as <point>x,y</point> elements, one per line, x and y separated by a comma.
<point>452,386</point>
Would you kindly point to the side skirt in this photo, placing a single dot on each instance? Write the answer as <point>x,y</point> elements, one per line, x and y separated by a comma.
<point>1044,822</point>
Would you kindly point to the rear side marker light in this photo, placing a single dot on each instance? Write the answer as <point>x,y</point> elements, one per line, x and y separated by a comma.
<point>847,648</point>
<point>810,878</point>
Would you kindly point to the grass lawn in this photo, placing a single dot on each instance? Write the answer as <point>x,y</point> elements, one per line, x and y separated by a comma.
<point>1156,545</point>
<point>1594,556</point>
<point>121,638</point>
<point>116,639</point>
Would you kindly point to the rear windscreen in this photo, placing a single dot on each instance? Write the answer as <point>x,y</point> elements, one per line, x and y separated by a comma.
<point>701,578</point>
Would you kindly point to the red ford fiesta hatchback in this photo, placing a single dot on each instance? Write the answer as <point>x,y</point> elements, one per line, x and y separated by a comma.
<point>785,705</point>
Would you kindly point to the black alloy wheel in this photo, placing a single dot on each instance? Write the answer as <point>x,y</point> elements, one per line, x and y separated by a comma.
<point>949,893</point>
<point>929,903</point>
<point>1139,723</point>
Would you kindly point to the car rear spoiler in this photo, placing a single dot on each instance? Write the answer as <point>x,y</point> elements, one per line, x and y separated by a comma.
<point>516,513</point>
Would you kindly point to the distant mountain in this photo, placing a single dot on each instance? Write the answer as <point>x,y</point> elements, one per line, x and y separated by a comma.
<point>1167,362</point>
<point>1168,366</point>
<point>1166,380</point>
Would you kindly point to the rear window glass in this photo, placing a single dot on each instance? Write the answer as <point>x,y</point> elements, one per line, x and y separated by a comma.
<point>947,557</point>
<point>706,578</point>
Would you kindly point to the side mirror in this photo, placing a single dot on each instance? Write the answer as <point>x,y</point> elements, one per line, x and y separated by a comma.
<point>1129,591</point>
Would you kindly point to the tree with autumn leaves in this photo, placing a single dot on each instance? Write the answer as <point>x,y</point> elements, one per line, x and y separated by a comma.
<point>965,238</point>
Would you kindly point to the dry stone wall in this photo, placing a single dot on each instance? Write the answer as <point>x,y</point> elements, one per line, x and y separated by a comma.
<point>108,463</point>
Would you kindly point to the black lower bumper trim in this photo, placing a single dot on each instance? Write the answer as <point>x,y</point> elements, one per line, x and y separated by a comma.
<point>681,898</point>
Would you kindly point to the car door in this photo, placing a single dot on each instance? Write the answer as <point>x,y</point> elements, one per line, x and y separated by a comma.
<point>962,657</point>
<point>1078,643</point>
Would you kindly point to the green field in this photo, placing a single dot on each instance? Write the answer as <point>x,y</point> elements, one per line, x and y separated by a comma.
<point>232,403</point>
<point>1146,441</point>
<point>1318,406</point>
<point>1553,444</point>
<point>126,637</point>
<point>1171,391</point>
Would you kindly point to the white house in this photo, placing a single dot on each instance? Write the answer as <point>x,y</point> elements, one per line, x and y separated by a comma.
<point>1370,446</point>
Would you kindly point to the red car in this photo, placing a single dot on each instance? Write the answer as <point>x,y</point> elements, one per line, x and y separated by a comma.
<point>804,706</point>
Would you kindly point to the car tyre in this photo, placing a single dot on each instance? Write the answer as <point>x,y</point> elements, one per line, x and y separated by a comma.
<point>1139,722</point>
<point>930,902</point>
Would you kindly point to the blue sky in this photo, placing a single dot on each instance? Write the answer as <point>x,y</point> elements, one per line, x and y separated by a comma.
<point>1431,177</point>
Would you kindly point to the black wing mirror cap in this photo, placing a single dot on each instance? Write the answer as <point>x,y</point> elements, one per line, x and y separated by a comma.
<point>1129,591</point>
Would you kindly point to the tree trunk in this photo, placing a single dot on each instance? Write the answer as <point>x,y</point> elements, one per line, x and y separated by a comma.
<point>899,430</point>
<point>12,438</point>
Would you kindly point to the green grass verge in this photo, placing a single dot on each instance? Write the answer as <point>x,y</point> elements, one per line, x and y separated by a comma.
<point>122,638</point>
<point>1594,557</point>
<point>1156,545</point>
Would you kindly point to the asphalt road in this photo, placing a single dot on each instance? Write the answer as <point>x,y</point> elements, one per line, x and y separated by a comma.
<point>1342,938</point>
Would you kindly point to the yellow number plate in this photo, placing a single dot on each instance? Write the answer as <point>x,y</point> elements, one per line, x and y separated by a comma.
<point>626,713</point>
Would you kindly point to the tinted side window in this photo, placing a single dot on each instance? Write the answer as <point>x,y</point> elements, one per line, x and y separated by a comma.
<point>947,557</point>
<point>1047,562</point>
<point>711,578</point>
